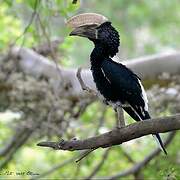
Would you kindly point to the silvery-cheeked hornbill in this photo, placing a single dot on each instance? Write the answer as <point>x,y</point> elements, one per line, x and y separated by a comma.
<point>117,84</point>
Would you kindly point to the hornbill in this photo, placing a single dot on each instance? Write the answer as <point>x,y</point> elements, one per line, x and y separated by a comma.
<point>117,84</point>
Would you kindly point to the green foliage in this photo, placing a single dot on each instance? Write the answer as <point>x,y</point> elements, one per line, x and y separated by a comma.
<point>164,167</point>
<point>30,22</point>
<point>7,20</point>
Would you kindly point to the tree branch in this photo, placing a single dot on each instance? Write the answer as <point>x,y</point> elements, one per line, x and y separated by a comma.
<point>16,146</point>
<point>148,67</point>
<point>118,136</point>
<point>83,85</point>
<point>56,167</point>
<point>99,165</point>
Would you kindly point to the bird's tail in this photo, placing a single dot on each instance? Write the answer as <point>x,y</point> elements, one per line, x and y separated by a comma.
<point>156,136</point>
<point>146,115</point>
<point>160,143</point>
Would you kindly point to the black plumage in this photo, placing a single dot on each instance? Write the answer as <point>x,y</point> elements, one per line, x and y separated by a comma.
<point>117,84</point>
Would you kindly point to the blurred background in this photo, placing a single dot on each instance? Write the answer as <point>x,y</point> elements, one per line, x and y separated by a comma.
<point>33,110</point>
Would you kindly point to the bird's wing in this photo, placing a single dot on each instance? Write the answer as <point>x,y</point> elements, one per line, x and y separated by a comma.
<point>127,86</point>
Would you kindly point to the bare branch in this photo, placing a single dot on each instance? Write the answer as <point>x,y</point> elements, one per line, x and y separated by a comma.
<point>36,3</point>
<point>118,136</point>
<point>148,68</point>
<point>13,150</point>
<point>56,167</point>
<point>99,165</point>
<point>127,155</point>
<point>83,85</point>
<point>12,142</point>
<point>86,153</point>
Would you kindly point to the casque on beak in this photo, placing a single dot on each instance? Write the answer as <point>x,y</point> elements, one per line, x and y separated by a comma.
<point>88,31</point>
<point>85,24</point>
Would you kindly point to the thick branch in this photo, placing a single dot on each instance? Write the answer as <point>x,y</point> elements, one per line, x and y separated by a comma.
<point>118,136</point>
<point>148,67</point>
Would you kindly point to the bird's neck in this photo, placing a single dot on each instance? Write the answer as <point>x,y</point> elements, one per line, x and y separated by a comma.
<point>98,55</point>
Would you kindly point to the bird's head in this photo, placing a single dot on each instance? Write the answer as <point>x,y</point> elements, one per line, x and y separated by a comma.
<point>96,28</point>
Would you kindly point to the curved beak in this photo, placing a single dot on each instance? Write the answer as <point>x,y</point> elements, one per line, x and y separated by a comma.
<point>88,31</point>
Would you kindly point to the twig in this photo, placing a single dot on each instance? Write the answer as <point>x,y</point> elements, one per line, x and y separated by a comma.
<point>99,165</point>
<point>29,24</point>
<point>118,136</point>
<point>56,167</point>
<point>138,175</point>
<point>18,144</point>
<point>78,170</point>
<point>12,142</point>
<point>59,74</point>
<point>86,153</point>
<point>82,107</point>
<point>83,86</point>
<point>129,158</point>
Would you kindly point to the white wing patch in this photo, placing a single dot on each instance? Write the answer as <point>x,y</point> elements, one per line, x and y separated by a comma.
<point>105,75</point>
<point>144,96</point>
